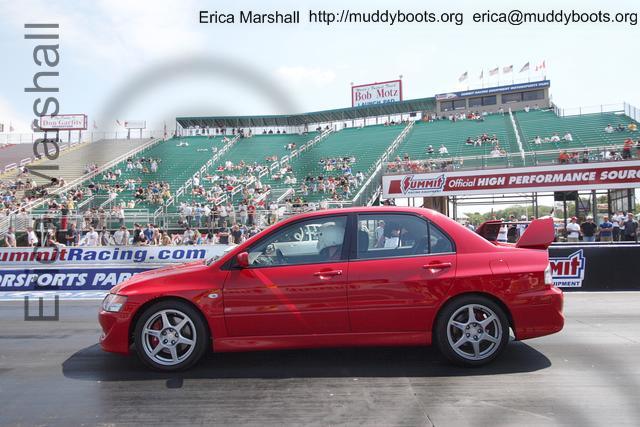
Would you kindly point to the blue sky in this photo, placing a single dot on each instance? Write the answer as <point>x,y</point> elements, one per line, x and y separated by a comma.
<point>109,45</point>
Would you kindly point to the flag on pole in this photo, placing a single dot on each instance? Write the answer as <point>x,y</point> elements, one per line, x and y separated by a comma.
<point>165,130</point>
<point>463,77</point>
<point>10,127</point>
<point>494,71</point>
<point>95,125</point>
<point>541,66</point>
<point>507,69</point>
<point>118,123</point>
<point>481,74</point>
<point>524,68</point>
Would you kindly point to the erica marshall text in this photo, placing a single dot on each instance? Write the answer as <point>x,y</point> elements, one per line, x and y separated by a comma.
<point>249,17</point>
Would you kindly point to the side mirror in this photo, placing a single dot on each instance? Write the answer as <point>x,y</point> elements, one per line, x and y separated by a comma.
<point>242,259</point>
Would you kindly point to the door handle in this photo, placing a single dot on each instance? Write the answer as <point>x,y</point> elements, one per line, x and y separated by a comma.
<point>437,265</point>
<point>328,273</point>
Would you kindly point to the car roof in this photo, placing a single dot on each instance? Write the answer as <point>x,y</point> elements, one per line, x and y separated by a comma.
<point>368,209</point>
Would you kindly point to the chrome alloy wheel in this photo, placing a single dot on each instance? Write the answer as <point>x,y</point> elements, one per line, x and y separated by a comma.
<point>169,337</point>
<point>474,332</point>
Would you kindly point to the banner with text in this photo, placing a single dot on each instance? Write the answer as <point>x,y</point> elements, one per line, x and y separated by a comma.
<point>114,255</point>
<point>585,176</point>
<point>493,90</point>
<point>64,122</point>
<point>376,93</point>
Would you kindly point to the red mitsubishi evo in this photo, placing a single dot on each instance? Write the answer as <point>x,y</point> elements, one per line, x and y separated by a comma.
<point>367,276</point>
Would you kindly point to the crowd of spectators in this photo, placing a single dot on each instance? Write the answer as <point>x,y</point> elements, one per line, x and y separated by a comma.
<point>616,227</point>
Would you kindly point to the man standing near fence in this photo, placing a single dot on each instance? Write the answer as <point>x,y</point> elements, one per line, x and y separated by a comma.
<point>588,229</point>
<point>630,229</point>
<point>606,230</point>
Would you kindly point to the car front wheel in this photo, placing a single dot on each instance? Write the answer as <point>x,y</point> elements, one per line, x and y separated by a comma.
<point>170,336</point>
<point>472,330</point>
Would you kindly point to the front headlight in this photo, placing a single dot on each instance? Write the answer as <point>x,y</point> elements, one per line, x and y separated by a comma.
<point>113,303</point>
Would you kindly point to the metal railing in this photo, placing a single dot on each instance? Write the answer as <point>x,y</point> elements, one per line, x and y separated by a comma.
<point>593,109</point>
<point>603,153</point>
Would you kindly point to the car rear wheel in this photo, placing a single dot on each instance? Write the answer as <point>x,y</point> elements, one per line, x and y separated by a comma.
<point>170,336</point>
<point>472,330</point>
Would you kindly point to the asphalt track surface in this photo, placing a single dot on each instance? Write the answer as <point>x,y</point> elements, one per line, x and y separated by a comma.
<point>54,373</point>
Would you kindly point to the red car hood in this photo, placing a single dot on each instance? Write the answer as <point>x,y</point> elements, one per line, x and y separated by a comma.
<point>160,273</point>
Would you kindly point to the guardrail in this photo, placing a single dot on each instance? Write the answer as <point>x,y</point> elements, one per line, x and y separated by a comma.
<point>438,163</point>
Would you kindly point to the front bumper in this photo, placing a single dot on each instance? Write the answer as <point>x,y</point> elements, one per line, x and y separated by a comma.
<point>538,313</point>
<point>115,331</point>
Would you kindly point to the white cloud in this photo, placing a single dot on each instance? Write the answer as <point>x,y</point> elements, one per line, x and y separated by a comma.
<point>316,76</point>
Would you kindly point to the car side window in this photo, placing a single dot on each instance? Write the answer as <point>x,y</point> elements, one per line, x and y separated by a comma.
<point>438,241</point>
<point>396,235</point>
<point>310,241</point>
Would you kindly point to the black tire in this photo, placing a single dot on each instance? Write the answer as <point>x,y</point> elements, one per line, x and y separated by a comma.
<point>446,334</point>
<point>175,311</point>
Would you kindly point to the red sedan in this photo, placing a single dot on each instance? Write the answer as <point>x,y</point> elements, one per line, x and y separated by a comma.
<point>350,277</point>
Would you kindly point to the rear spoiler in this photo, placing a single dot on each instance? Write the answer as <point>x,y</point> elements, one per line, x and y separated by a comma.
<point>539,234</point>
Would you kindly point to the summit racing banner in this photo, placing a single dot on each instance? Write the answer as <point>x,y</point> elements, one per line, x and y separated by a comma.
<point>68,279</point>
<point>119,255</point>
<point>89,268</point>
<point>584,176</point>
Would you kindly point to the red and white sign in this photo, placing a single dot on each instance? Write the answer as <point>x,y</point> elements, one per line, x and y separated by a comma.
<point>64,122</point>
<point>585,176</point>
<point>376,93</point>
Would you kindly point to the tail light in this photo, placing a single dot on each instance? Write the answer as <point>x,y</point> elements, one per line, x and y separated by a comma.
<point>548,277</point>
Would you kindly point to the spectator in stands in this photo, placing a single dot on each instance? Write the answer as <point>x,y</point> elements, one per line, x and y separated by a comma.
<point>10,238</point>
<point>555,138</point>
<point>121,236</point>
<point>443,149</point>
<point>626,149</point>
<point>621,127</point>
<point>537,140</point>
<point>630,228</point>
<point>609,128</point>
<point>606,230</point>
<point>588,230</point>
<point>32,238</point>
<point>91,238</point>
<point>430,149</point>
<point>72,237</point>
<point>618,220</point>
<point>563,157</point>
<point>573,230</point>
<point>188,237</point>
<point>632,127</point>
<point>165,239</point>
<point>568,137</point>
<point>106,239</point>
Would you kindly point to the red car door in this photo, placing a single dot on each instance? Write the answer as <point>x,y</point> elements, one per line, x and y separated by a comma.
<point>296,282</point>
<point>401,269</point>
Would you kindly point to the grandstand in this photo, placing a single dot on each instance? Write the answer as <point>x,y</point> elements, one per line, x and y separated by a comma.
<point>453,136</point>
<point>204,168</point>
<point>71,162</point>
<point>366,145</point>
<point>587,131</point>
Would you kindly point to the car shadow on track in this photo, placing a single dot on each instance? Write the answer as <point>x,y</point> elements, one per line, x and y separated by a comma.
<point>93,364</point>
